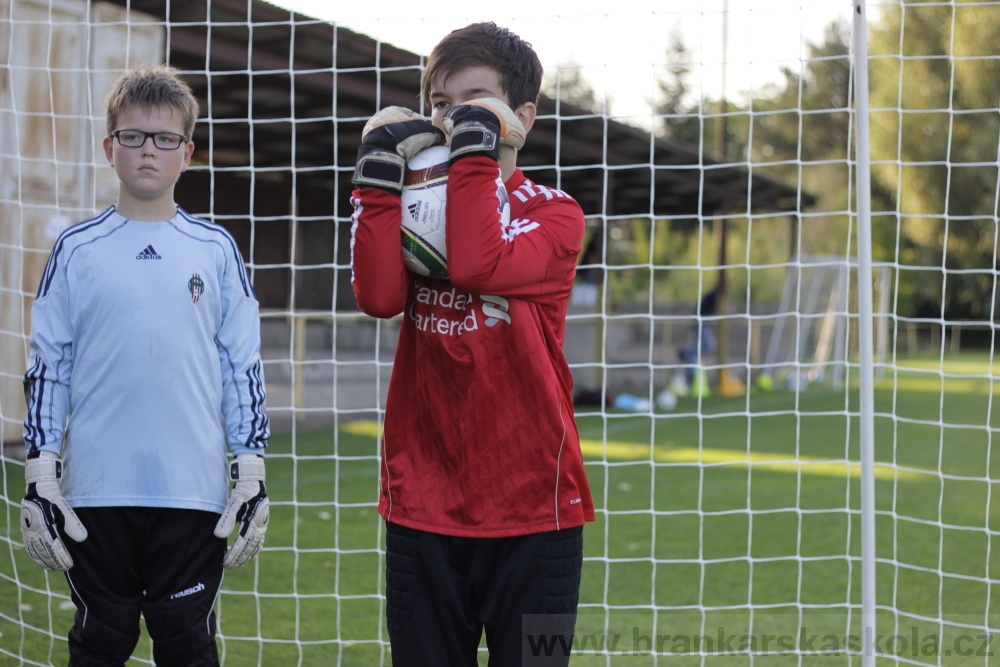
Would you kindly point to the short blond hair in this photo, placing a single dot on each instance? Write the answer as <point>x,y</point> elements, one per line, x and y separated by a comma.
<point>149,86</point>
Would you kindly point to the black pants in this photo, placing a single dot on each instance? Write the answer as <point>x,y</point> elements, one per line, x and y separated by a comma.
<point>442,592</point>
<point>165,564</point>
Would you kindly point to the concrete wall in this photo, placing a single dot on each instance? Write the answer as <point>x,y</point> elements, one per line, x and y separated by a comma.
<point>62,58</point>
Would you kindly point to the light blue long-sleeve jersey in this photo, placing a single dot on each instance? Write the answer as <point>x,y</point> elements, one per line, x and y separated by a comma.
<point>145,347</point>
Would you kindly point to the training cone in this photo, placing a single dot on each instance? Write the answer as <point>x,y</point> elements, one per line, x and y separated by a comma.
<point>699,385</point>
<point>728,385</point>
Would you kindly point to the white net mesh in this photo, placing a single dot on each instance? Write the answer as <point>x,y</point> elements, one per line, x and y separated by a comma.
<point>707,142</point>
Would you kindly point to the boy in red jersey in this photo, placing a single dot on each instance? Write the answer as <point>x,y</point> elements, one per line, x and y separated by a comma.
<point>482,479</point>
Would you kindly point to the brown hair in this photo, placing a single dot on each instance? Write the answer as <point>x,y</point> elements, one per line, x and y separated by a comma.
<point>150,86</point>
<point>487,45</point>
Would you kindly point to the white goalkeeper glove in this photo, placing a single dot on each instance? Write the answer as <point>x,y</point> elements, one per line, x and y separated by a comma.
<point>248,505</point>
<point>390,138</point>
<point>484,126</point>
<point>44,512</point>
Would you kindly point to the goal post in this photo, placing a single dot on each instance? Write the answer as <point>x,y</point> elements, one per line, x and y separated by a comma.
<point>812,333</point>
<point>844,521</point>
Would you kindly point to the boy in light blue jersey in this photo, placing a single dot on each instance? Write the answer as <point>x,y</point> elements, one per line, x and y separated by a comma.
<point>144,364</point>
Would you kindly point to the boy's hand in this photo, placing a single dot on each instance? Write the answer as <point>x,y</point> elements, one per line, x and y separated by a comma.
<point>485,126</point>
<point>43,509</point>
<point>390,138</point>
<point>248,505</point>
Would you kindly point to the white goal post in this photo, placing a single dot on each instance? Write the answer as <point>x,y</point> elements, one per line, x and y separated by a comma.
<point>813,323</point>
<point>823,488</point>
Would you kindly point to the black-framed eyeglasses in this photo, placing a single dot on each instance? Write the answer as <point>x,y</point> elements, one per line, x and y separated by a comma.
<point>165,141</point>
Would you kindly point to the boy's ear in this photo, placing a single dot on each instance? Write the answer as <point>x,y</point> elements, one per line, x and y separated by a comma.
<point>188,152</point>
<point>109,150</point>
<point>526,114</point>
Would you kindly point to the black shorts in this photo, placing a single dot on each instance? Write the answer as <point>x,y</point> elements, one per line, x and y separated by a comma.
<point>162,563</point>
<point>443,592</point>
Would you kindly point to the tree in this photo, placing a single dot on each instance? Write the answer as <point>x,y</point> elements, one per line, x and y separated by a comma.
<point>568,84</point>
<point>687,122</point>
<point>802,129</point>
<point>934,85</point>
<point>691,120</point>
<point>935,82</point>
<point>679,111</point>
<point>694,122</point>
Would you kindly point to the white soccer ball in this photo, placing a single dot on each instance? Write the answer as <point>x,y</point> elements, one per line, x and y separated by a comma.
<point>424,186</point>
<point>666,400</point>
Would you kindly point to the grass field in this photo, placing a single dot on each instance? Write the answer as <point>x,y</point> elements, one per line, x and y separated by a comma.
<point>726,528</point>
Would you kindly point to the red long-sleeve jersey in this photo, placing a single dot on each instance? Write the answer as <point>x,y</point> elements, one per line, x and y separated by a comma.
<point>480,438</point>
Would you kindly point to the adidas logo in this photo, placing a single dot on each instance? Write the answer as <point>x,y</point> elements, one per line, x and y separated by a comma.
<point>414,210</point>
<point>148,253</point>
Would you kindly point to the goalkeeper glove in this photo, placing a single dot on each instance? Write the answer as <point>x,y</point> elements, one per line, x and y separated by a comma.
<point>248,505</point>
<point>390,138</point>
<point>484,126</point>
<point>44,512</point>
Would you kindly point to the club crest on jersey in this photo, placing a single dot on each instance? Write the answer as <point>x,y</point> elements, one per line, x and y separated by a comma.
<point>196,286</point>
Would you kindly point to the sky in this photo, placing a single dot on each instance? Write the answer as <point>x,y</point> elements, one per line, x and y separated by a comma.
<point>619,46</point>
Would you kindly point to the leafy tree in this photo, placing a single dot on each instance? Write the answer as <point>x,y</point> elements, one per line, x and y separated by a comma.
<point>802,131</point>
<point>935,82</point>
<point>681,122</point>
<point>568,83</point>
<point>693,121</point>
<point>934,138</point>
<point>934,85</point>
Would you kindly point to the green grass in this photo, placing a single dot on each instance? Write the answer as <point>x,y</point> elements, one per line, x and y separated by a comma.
<point>728,523</point>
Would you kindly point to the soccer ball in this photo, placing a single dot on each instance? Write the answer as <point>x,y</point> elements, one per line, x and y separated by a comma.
<point>666,400</point>
<point>422,223</point>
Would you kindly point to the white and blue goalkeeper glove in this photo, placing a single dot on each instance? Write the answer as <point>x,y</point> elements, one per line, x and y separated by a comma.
<point>44,513</point>
<point>389,139</point>
<point>483,126</point>
<point>248,506</point>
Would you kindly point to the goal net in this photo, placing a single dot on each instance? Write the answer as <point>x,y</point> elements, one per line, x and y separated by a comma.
<point>713,334</point>
<point>809,336</point>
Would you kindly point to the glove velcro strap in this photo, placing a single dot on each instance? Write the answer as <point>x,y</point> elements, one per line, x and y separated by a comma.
<point>474,138</point>
<point>380,169</point>
<point>247,467</point>
<point>42,469</point>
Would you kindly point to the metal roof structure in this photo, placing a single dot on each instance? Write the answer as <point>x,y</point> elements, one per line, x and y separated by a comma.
<point>290,91</point>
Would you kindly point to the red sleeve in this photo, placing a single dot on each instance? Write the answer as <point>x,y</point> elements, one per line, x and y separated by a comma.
<point>377,273</point>
<point>533,253</point>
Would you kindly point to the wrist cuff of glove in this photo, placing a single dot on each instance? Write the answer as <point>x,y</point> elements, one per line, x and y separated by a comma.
<point>247,467</point>
<point>46,467</point>
<point>380,169</point>
<point>474,138</point>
